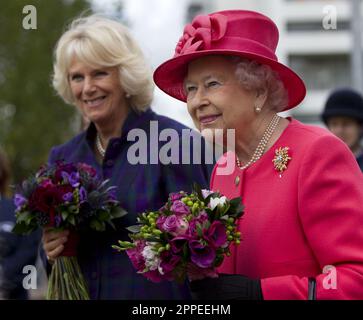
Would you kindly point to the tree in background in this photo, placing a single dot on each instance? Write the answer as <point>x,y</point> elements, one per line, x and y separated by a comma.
<point>32,117</point>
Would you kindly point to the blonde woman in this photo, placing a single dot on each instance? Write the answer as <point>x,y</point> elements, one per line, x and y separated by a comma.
<point>101,70</point>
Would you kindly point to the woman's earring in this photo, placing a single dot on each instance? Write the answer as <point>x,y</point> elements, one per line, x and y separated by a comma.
<point>127,95</point>
<point>257,109</point>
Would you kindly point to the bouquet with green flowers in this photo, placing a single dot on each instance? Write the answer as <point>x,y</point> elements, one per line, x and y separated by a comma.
<point>188,237</point>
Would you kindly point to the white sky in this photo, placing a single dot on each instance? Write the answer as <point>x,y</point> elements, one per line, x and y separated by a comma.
<point>157,25</point>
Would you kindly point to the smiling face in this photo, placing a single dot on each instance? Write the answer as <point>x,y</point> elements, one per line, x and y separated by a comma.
<point>215,99</point>
<point>97,92</point>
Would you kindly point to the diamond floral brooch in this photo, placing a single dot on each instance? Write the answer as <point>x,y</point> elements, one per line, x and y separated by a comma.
<point>281,159</point>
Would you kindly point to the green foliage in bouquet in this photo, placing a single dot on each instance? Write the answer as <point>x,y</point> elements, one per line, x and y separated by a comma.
<point>189,236</point>
<point>66,196</point>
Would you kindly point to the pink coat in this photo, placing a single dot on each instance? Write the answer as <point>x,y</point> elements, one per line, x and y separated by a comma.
<point>295,225</point>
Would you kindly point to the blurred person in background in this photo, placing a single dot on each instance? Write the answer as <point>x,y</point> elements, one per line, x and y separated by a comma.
<point>16,251</point>
<point>343,116</point>
<point>301,186</point>
<point>100,69</point>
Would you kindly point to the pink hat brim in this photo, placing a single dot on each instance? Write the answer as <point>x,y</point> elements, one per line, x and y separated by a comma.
<point>169,76</point>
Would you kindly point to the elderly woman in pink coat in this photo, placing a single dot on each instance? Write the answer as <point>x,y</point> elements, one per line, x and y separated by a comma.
<point>302,189</point>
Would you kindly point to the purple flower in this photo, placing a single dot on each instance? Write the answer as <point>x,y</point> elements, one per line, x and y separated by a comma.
<point>67,197</point>
<point>87,168</point>
<point>71,178</point>
<point>171,223</point>
<point>136,257</point>
<point>112,194</point>
<point>202,255</point>
<point>177,243</point>
<point>202,217</point>
<point>57,220</point>
<point>178,207</point>
<point>175,225</point>
<point>138,261</point>
<point>82,194</point>
<point>65,176</point>
<point>74,179</point>
<point>68,168</point>
<point>168,262</point>
<point>176,196</point>
<point>216,234</point>
<point>160,221</point>
<point>206,193</point>
<point>19,201</point>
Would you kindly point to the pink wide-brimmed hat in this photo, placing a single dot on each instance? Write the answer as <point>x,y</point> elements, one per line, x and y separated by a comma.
<point>241,33</point>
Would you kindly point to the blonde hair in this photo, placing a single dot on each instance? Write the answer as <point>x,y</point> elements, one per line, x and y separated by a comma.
<point>260,78</point>
<point>99,41</point>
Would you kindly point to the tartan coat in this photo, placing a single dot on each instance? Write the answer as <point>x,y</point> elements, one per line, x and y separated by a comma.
<point>141,187</point>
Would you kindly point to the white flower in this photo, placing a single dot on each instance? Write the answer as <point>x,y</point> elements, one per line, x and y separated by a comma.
<point>206,193</point>
<point>217,201</point>
<point>151,259</point>
<point>160,269</point>
<point>148,253</point>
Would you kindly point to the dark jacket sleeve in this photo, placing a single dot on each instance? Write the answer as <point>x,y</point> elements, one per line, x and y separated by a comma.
<point>18,252</point>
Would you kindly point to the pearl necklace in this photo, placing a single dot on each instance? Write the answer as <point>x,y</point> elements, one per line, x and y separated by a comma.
<point>100,149</point>
<point>262,144</point>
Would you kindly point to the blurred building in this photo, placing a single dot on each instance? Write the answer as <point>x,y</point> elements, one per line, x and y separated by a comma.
<point>315,40</point>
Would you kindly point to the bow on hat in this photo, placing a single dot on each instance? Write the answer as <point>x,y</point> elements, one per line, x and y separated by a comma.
<point>201,33</point>
<point>243,33</point>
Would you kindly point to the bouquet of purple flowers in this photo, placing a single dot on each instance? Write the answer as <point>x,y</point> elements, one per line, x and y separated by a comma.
<point>188,237</point>
<point>66,196</point>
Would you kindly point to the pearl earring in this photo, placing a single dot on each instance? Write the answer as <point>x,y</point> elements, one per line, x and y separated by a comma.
<point>127,95</point>
<point>257,109</point>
